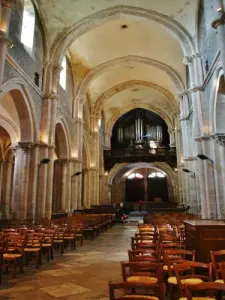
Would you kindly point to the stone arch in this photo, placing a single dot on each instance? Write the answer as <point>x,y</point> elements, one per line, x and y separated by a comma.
<point>161,166</point>
<point>218,75</point>
<point>125,85</point>
<point>62,140</point>
<point>24,106</point>
<point>119,113</point>
<point>11,128</point>
<point>173,27</point>
<point>122,61</point>
<point>131,167</point>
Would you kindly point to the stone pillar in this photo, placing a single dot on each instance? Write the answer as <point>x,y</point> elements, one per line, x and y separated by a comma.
<point>50,178</point>
<point>9,185</point>
<point>42,183</point>
<point>218,24</point>
<point>32,191</point>
<point>21,180</point>
<point>6,9</point>
<point>108,136</point>
<point>220,140</point>
<point>64,184</point>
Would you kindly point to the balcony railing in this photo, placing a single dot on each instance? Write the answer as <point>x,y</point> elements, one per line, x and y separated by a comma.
<point>114,156</point>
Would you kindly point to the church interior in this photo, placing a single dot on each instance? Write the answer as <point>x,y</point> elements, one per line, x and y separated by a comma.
<point>112,149</point>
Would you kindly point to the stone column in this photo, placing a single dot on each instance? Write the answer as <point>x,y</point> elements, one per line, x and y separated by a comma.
<point>21,180</point>
<point>79,186</point>
<point>6,9</point>
<point>218,24</point>
<point>64,184</point>
<point>9,184</point>
<point>220,140</point>
<point>108,136</point>
<point>42,183</point>
<point>32,190</point>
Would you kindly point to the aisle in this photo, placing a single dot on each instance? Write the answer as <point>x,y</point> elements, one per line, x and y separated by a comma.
<point>79,275</point>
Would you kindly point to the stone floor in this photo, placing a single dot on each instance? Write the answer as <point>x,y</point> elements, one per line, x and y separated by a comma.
<point>78,275</point>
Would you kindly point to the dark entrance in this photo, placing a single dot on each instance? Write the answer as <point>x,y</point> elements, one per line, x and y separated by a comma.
<point>135,188</point>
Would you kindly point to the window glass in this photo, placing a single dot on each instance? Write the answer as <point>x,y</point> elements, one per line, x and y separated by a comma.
<point>28,25</point>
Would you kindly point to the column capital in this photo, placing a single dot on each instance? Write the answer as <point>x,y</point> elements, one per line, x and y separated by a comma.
<point>56,69</point>
<point>182,94</point>
<point>220,138</point>
<point>196,88</point>
<point>25,146</point>
<point>189,59</point>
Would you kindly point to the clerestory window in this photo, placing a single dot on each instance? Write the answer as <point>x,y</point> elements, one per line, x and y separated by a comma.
<point>28,25</point>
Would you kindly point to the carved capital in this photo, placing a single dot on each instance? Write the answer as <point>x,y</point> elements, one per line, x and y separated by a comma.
<point>220,138</point>
<point>56,69</point>
<point>25,146</point>
<point>187,60</point>
<point>196,88</point>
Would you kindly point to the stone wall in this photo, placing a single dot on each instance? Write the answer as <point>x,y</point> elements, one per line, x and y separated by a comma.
<point>30,63</point>
<point>207,38</point>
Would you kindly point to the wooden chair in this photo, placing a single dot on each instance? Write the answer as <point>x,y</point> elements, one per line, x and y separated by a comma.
<point>47,243</point>
<point>140,244</point>
<point>149,255</point>
<point>142,272</point>
<point>70,238</point>
<point>210,287</point>
<point>13,253</point>
<point>172,257</point>
<point>59,239</point>
<point>217,257</point>
<point>33,246</point>
<point>150,291</point>
<point>2,248</point>
<point>192,273</point>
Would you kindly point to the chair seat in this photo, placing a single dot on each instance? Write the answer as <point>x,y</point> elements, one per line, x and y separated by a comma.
<point>69,238</point>
<point>58,241</point>
<point>128,297</point>
<point>32,249</point>
<point>142,279</point>
<point>190,281</point>
<point>219,281</point>
<point>11,256</point>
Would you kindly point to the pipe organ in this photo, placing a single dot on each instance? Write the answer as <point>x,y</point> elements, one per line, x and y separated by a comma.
<point>140,128</point>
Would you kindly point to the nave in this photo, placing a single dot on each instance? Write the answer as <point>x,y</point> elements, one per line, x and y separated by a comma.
<point>81,274</point>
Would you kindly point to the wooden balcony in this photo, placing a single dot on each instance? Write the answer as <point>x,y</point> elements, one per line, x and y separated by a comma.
<point>111,157</point>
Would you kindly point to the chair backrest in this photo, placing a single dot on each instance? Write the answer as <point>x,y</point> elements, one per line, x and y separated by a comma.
<point>149,269</point>
<point>15,244</point>
<point>143,255</point>
<point>192,270</point>
<point>217,257</point>
<point>157,289</point>
<point>210,287</point>
<point>178,256</point>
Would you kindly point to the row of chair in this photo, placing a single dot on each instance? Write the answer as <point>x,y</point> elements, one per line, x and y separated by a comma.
<point>159,266</point>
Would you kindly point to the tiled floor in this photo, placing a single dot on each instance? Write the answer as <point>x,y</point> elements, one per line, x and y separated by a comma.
<point>79,275</point>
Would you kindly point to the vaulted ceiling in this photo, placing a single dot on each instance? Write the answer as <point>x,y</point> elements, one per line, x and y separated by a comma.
<point>124,55</point>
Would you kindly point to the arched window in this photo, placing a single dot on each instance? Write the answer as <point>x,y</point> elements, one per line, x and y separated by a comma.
<point>156,174</point>
<point>28,25</point>
<point>63,73</point>
<point>135,175</point>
